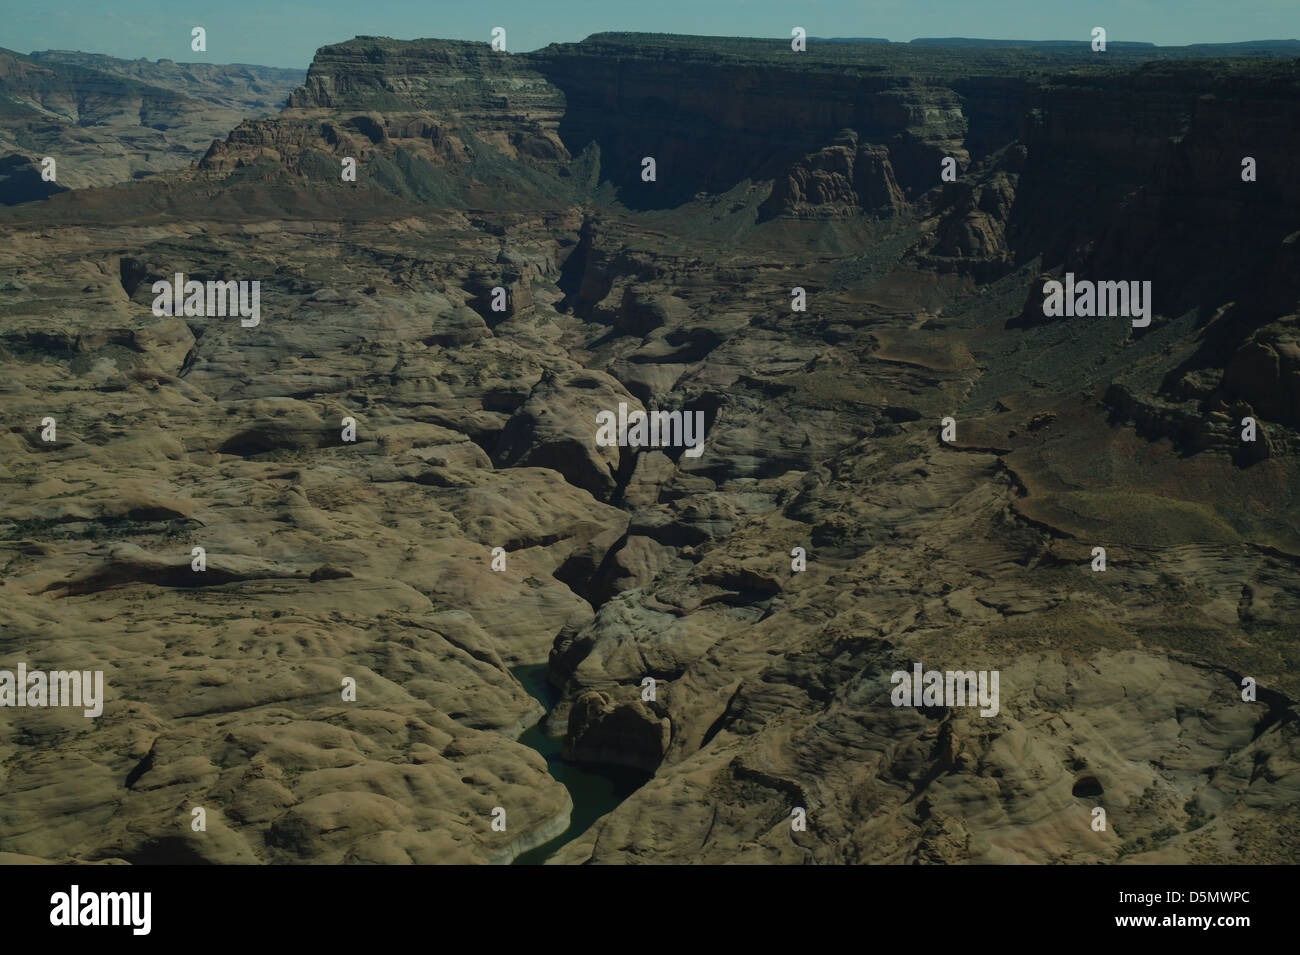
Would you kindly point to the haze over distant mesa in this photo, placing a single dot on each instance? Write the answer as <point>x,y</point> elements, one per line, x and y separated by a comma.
<point>106,120</point>
<point>653,449</point>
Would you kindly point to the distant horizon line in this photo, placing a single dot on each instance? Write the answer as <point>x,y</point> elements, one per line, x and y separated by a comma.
<point>915,41</point>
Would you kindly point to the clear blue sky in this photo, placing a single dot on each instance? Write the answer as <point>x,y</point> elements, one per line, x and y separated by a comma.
<point>287,34</point>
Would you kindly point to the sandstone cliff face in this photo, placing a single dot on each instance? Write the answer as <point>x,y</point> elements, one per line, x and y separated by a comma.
<point>707,128</point>
<point>838,181</point>
<point>461,85</point>
<point>1044,160</point>
<point>1266,372</point>
<point>1188,222</point>
<point>429,120</point>
<point>710,125</point>
<point>616,734</point>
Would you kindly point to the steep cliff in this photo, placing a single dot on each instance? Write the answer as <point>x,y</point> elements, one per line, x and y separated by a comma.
<point>835,131</point>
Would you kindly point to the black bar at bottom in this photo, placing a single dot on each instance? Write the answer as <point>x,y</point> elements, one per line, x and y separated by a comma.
<point>329,905</point>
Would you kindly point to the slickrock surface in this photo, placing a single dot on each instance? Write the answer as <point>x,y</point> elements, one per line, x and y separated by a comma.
<point>476,429</point>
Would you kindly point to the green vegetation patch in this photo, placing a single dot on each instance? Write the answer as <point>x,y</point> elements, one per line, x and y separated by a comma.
<point>123,359</point>
<point>1132,517</point>
<point>835,388</point>
<point>1070,627</point>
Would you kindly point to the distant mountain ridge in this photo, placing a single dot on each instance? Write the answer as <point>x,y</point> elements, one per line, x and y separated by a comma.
<point>240,86</point>
<point>1245,48</point>
<point>105,120</point>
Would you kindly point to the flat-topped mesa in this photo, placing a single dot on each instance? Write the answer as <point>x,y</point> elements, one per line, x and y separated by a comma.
<point>469,80</point>
<point>408,100</point>
<point>710,122</point>
<point>715,111</point>
<point>841,131</point>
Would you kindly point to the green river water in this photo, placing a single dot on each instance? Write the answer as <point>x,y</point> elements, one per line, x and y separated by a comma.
<point>594,790</point>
